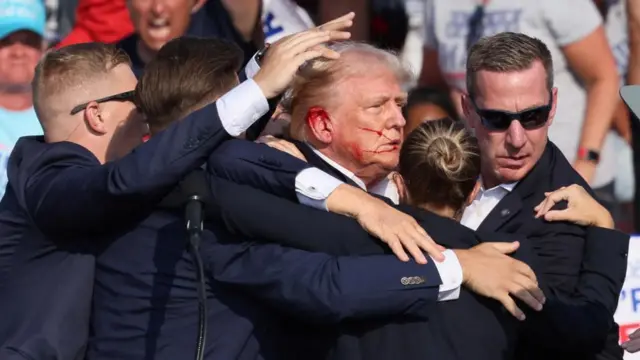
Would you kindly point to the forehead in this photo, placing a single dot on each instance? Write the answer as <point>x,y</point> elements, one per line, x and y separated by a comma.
<point>513,91</point>
<point>374,81</point>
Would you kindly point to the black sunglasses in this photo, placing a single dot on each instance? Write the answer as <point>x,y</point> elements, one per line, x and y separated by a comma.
<point>500,120</point>
<point>125,96</point>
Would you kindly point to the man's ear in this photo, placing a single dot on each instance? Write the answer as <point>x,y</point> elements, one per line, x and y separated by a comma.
<point>93,119</point>
<point>197,6</point>
<point>554,98</point>
<point>465,101</point>
<point>320,124</point>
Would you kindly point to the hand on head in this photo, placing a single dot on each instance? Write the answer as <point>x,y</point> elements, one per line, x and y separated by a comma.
<point>284,57</point>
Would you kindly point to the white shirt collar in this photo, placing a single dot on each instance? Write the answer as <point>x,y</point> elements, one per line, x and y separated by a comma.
<point>340,168</point>
<point>384,188</point>
<point>506,186</point>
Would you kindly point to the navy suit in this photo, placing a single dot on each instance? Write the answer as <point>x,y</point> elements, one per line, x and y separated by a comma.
<point>58,202</point>
<point>566,264</point>
<point>577,322</point>
<point>145,302</point>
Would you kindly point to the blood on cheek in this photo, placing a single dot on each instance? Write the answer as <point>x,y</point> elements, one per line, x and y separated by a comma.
<point>358,152</point>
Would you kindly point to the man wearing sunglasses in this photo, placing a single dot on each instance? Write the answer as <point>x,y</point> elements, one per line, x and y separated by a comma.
<point>511,103</point>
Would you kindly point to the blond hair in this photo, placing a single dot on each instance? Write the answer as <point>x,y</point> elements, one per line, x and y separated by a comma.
<point>316,82</point>
<point>68,68</point>
<point>440,164</point>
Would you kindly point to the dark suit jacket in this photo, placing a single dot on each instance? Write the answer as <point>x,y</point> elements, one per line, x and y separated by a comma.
<point>559,316</point>
<point>567,266</point>
<point>488,332</point>
<point>59,200</point>
<point>145,302</point>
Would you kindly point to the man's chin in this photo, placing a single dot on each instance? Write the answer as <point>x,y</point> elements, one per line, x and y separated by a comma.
<point>509,175</point>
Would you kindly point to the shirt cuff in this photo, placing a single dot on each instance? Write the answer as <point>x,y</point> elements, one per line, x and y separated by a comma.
<point>313,187</point>
<point>241,107</point>
<point>252,68</point>
<point>451,274</point>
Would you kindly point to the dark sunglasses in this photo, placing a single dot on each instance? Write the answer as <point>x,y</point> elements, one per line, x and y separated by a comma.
<point>500,120</point>
<point>125,96</point>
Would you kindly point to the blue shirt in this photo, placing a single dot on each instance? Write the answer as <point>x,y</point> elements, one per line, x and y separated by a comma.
<point>13,125</point>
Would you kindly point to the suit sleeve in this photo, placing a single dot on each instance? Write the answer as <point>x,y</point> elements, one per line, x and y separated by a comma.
<point>322,288</point>
<point>258,215</point>
<point>257,165</point>
<point>65,196</point>
<point>584,318</point>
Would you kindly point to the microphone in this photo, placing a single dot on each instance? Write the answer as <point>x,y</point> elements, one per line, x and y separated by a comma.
<point>193,215</point>
<point>193,211</point>
<point>191,196</point>
<point>197,189</point>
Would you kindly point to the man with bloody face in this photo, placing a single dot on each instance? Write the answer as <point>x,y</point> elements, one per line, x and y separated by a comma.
<point>354,121</point>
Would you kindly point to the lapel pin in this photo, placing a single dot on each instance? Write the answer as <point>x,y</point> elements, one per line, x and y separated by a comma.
<point>505,212</point>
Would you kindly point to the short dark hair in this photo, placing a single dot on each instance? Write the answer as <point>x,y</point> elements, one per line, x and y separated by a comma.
<point>440,164</point>
<point>428,95</point>
<point>507,52</point>
<point>184,74</point>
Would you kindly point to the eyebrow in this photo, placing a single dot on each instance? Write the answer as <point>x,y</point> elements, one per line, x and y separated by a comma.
<point>380,98</point>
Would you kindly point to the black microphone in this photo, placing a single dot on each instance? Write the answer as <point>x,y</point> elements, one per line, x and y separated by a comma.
<point>193,215</point>
<point>191,196</point>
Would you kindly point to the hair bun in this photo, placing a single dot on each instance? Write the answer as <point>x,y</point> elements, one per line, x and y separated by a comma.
<point>446,155</point>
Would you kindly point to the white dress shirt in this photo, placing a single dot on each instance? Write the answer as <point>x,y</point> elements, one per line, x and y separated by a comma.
<point>313,187</point>
<point>484,202</point>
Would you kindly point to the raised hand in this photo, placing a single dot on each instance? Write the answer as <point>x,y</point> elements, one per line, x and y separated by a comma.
<point>283,58</point>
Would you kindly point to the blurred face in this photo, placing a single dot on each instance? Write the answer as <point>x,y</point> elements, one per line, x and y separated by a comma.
<point>158,21</point>
<point>124,126</point>
<point>510,148</point>
<point>420,113</point>
<point>19,55</point>
<point>368,123</point>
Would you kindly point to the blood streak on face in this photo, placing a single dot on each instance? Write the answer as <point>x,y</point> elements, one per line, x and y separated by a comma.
<point>380,134</point>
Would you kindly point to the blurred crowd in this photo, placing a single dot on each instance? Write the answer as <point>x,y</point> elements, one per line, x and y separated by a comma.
<point>589,40</point>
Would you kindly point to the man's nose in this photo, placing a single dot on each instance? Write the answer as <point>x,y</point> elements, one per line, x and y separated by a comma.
<point>158,7</point>
<point>18,49</point>
<point>516,135</point>
<point>397,118</point>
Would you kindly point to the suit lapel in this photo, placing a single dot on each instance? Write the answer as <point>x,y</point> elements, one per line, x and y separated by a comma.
<point>513,203</point>
<point>506,209</point>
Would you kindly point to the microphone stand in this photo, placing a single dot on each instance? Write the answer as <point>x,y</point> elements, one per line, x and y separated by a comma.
<point>194,220</point>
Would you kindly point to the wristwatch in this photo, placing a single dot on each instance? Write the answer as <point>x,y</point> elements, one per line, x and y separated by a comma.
<point>260,54</point>
<point>588,155</point>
